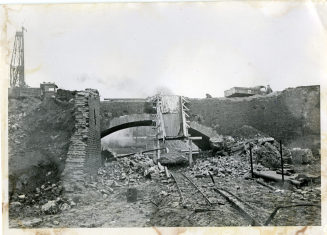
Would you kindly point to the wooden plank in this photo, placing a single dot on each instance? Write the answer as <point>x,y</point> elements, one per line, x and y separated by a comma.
<point>195,137</point>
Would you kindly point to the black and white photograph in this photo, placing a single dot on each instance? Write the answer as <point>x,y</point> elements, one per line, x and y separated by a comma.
<point>164,114</point>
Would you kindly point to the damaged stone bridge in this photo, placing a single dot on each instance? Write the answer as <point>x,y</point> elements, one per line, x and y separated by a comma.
<point>292,114</point>
<point>111,123</point>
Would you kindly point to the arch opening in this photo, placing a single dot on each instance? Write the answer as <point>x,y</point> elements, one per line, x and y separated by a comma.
<point>127,125</point>
<point>204,143</point>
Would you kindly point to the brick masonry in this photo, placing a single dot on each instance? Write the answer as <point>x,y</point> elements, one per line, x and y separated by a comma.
<point>84,153</point>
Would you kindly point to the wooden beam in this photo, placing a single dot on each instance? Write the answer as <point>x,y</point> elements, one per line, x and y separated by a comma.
<point>195,137</point>
<point>190,158</point>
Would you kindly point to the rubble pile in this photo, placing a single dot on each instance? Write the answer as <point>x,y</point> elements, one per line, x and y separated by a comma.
<point>129,170</point>
<point>268,154</point>
<point>39,132</point>
<point>221,166</point>
<point>223,145</point>
<point>301,156</point>
<point>46,199</point>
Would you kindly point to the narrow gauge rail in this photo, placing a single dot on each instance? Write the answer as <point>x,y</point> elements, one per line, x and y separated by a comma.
<point>187,190</point>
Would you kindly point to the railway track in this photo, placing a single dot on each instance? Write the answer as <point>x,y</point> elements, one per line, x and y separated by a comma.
<point>190,194</point>
<point>199,202</point>
<point>212,199</point>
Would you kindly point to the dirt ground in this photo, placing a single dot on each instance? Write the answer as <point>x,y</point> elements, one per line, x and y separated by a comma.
<point>104,202</point>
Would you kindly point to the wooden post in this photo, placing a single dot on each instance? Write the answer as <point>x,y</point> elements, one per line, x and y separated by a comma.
<point>251,160</point>
<point>281,159</point>
<point>190,160</point>
<point>167,172</point>
<point>158,151</point>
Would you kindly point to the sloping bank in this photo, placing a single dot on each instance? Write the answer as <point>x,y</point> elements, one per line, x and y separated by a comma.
<point>52,140</point>
<point>292,115</point>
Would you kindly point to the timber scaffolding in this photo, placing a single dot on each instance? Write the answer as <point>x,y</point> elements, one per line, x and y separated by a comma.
<point>166,111</point>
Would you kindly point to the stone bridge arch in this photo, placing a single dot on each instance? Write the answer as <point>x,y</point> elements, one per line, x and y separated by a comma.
<point>136,120</point>
<point>127,121</point>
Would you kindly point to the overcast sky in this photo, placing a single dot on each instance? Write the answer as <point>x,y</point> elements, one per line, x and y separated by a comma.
<point>129,50</point>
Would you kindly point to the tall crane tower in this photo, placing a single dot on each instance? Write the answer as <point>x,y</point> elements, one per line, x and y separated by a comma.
<point>17,75</point>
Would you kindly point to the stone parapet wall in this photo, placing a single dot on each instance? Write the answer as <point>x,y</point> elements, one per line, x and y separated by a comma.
<point>111,109</point>
<point>16,92</point>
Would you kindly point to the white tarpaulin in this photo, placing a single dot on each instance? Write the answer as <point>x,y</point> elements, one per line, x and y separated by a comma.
<point>170,104</point>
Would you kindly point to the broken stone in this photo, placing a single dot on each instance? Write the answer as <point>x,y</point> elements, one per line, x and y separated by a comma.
<point>268,155</point>
<point>31,223</point>
<point>55,222</point>
<point>64,206</point>
<point>50,207</point>
<point>15,204</point>
<point>163,193</point>
<point>72,203</point>
<point>114,184</point>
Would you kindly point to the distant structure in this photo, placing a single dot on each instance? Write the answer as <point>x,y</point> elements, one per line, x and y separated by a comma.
<point>245,91</point>
<point>268,90</point>
<point>17,74</point>
<point>208,96</point>
<point>18,86</point>
<point>48,89</point>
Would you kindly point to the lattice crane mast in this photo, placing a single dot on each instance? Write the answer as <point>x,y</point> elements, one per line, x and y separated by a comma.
<point>17,73</point>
